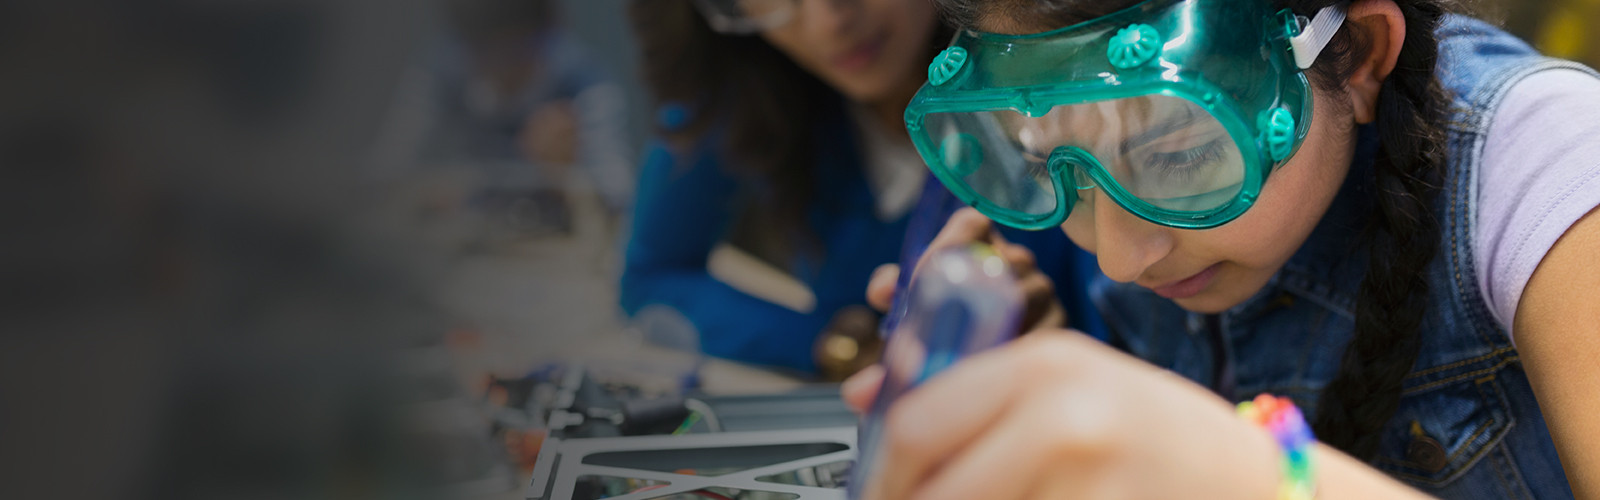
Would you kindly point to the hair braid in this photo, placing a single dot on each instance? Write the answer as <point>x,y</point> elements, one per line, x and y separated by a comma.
<point>1403,236</point>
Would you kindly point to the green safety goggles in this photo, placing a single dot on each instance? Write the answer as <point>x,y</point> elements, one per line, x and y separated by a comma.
<point>1177,110</point>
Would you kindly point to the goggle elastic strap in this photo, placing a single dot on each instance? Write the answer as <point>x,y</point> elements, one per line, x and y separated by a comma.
<point>1314,37</point>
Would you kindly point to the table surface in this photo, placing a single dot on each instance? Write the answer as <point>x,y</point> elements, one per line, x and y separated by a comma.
<point>554,298</point>
<point>529,301</point>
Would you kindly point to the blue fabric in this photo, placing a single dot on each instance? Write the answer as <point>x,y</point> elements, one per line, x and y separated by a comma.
<point>686,205</point>
<point>1467,390</point>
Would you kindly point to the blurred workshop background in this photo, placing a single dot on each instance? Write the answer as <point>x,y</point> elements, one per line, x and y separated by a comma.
<point>307,249</point>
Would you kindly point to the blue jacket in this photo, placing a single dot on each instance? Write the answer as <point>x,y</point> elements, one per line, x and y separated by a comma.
<point>687,202</point>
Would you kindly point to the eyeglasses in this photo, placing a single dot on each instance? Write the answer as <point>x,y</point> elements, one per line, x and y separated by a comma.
<point>746,17</point>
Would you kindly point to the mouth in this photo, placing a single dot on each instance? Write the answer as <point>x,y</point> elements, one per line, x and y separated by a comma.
<point>1190,286</point>
<point>861,55</point>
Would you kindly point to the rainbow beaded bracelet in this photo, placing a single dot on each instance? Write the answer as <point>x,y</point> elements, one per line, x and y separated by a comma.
<point>1288,426</point>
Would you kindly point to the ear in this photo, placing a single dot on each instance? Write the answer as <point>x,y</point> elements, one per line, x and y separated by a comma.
<point>1385,29</point>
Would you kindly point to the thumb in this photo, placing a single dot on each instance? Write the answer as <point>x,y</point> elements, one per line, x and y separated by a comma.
<point>860,389</point>
<point>880,289</point>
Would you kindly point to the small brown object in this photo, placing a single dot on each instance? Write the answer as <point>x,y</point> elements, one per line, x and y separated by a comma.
<point>840,347</point>
<point>849,343</point>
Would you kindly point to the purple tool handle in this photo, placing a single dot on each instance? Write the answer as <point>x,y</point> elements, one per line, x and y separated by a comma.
<point>963,302</point>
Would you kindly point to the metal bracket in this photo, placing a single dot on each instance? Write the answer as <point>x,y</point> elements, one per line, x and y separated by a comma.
<point>562,462</point>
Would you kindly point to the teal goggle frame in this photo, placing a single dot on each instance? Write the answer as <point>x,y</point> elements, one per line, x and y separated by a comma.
<point>1233,66</point>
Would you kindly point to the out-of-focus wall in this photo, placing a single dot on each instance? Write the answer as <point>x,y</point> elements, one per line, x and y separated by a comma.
<point>604,28</point>
<point>1559,28</point>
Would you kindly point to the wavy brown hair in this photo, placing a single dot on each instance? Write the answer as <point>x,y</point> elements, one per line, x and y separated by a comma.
<point>750,102</point>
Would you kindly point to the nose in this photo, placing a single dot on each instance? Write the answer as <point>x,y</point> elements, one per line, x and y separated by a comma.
<point>1125,244</point>
<point>827,17</point>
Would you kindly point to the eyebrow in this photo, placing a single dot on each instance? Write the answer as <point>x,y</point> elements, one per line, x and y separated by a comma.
<point>1161,130</point>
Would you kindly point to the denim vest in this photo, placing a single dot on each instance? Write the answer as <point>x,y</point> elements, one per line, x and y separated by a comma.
<point>1468,425</point>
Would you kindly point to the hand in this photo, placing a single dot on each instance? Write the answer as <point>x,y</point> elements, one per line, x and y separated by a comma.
<point>965,227</point>
<point>1059,415</point>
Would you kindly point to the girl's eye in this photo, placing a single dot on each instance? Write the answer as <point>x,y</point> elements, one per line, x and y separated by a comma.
<point>1035,164</point>
<point>1185,162</point>
<point>1038,168</point>
<point>1033,160</point>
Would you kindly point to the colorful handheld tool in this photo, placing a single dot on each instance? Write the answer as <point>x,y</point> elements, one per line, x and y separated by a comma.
<point>962,301</point>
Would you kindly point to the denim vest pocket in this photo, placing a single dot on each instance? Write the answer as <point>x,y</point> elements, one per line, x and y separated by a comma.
<point>1450,418</point>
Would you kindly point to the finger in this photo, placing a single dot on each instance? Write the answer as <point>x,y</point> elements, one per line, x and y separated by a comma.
<point>965,227</point>
<point>1017,256</point>
<point>1054,317</point>
<point>1041,306</point>
<point>860,389</point>
<point>1038,287</point>
<point>1063,426</point>
<point>880,289</point>
<point>953,408</point>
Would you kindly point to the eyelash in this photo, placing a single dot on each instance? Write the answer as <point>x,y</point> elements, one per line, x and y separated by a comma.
<point>1036,166</point>
<point>1177,165</point>
<point>1180,163</point>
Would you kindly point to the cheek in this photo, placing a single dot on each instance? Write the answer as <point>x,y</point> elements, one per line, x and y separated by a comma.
<point>1188,247</point>
<point>1294,200</point>
<point>1258,241</point>
<point>903,60</point>
<point>1255,246</point>
<point>1291,204</point>
<point>1079,226</point>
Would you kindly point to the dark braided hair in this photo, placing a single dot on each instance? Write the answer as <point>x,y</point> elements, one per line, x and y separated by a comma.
<point>1402,234</point>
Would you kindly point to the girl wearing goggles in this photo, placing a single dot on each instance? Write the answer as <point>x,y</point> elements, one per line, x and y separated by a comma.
<point>1356,205</point>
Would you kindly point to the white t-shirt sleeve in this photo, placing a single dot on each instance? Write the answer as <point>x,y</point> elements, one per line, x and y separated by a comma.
<point>1540,173</point>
